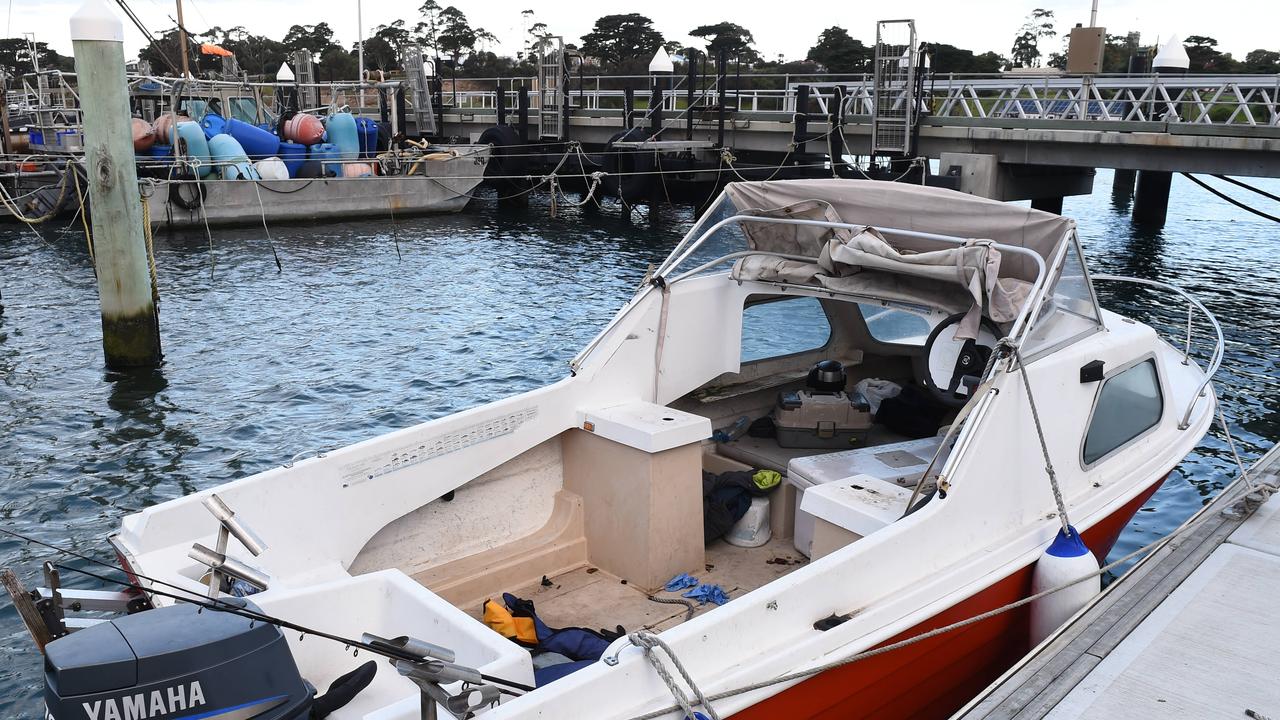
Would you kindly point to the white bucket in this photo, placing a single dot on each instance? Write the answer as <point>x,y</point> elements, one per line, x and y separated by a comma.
<point>753,529</point>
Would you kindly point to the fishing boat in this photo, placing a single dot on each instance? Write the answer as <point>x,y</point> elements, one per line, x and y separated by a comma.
<point>216,151</point>
<point>461,552</point>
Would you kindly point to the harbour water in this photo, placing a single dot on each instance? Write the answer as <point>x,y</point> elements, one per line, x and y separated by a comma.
<point>374,326</point>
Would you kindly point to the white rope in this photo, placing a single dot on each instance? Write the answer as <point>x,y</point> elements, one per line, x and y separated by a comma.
<point>649,642</point>
<point>1232,444</point>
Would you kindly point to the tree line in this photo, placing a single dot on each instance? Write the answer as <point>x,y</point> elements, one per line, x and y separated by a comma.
<point>1202,51</point>
<point>617,44</point>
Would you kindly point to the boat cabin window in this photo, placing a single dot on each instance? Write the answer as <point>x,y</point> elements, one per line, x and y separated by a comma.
<point>244,109</point>
<point>786,326</point>
<point>895,326</point>
<point>1129,404</point>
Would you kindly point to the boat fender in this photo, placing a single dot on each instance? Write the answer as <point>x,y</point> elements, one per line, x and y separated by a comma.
<point>509,157</point>
<point>628,175</point>
<point>1066,559</point>
<point>187,199</point>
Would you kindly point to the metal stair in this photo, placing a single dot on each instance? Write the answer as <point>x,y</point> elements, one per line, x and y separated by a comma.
<point>424,115</point>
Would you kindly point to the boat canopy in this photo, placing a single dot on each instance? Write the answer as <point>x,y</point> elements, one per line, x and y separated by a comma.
<point>937,247</point>
<point>925,210</point>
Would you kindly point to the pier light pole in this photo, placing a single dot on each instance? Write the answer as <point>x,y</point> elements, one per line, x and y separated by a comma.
<point>130,325</point>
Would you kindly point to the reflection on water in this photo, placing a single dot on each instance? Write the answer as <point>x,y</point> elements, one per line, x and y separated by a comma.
<point>375,326</point>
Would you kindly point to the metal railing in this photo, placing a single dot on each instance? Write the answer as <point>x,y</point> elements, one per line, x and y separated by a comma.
<point>1237,100</point>
<point>1215,357</point>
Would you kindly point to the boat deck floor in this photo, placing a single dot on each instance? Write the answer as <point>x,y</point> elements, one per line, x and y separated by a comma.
<point>592,598</point>
<point>1190,633</point>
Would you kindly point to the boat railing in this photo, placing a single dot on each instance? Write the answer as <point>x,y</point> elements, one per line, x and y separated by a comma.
<point>1215,358</point>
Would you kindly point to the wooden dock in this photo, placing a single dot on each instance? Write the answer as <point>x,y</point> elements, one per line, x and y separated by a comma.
<point>1189,632</point>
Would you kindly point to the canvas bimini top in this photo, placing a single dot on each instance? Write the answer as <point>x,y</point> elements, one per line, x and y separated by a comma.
<point>899,243</point>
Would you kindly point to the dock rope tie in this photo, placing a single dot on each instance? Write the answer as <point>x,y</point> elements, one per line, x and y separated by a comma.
<point>650,643</point>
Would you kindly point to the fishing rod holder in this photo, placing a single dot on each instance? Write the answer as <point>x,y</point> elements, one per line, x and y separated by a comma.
<point>433,668</point>
<point>223,570</point>
<point>430,675</point>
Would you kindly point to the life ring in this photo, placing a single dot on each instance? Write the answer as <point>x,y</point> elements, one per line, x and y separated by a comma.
<point>628,170</point>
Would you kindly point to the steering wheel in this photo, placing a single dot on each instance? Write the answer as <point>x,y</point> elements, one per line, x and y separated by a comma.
<point>946,361</point>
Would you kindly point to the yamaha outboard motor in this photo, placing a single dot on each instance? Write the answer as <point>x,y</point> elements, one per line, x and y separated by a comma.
<point>173,662</point>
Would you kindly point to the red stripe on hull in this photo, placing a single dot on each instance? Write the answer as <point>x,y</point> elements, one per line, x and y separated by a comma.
<point>935,677</point>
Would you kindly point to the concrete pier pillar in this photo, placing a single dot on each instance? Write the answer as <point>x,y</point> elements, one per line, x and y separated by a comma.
<point>1122,183</point>
<point>130,325</point>
<point>1049,204</point>
<point>1151,199</point>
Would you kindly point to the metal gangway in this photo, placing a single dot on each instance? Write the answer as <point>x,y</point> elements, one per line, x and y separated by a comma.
<point>893,104</point>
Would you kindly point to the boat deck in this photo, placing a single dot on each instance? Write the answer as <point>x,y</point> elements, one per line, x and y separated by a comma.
<point>592,598</point>
<point>1187,633</point>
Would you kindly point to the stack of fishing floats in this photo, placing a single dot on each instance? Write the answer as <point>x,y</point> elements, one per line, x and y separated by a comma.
<point>299,146</point>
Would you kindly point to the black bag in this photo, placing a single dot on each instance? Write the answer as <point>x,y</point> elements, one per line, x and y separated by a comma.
<point>911,412</point>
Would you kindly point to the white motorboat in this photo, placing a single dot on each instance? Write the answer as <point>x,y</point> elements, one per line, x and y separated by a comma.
<point>586,496</point>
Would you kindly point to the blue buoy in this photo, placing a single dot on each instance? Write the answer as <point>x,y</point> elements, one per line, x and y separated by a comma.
<point>293,155</point>
<point>330,155</point>
<point>340,130</point>
<point>367,131</point>
<point>257,143</point>
<point>230,156</point>
<point>213,124</point>
<point>194,146</point>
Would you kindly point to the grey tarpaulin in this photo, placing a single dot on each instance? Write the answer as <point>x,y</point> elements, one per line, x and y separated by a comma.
<point>970,277</point>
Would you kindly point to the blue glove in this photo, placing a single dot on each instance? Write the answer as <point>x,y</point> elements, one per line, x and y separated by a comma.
<point>707,593</point>
<point>680,582</point>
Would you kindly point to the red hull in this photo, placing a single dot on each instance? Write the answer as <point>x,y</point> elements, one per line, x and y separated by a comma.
<point>935,677</point>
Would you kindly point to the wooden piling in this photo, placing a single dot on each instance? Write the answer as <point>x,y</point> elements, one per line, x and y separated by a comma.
<point>692,82</point>
<point>522,113</point>
<point>500,103</point>
<point>130,324</point>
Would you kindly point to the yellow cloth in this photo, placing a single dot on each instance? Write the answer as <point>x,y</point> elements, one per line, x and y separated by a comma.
<point>518,629</point>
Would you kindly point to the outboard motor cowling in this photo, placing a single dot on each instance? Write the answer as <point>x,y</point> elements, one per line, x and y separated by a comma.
<point>174,662</point>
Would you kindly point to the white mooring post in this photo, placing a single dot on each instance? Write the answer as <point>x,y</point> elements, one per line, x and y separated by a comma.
<point>130,325</point>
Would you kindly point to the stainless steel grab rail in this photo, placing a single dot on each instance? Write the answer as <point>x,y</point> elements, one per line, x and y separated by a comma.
<point>1215,359</point>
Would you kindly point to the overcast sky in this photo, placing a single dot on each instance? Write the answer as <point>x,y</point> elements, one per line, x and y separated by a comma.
<point>978,25</point>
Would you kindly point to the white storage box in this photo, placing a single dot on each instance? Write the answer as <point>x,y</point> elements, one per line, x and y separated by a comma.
<point>899,463</point>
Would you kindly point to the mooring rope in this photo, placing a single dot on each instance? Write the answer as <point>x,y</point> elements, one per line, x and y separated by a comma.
<point>151,248</point>
<point>650,643</point>
<point>689,606</point>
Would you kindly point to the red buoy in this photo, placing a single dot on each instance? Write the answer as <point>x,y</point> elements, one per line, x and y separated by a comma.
<point>144,136</point>
<point>304,129</point>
